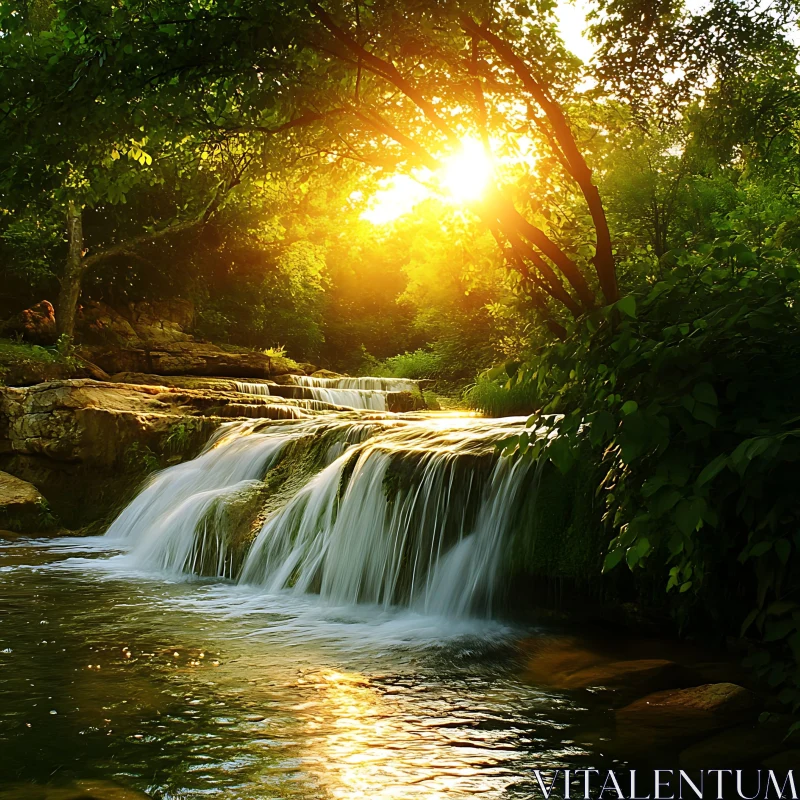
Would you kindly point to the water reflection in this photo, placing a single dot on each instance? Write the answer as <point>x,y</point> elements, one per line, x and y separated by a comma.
<point>193,690</point>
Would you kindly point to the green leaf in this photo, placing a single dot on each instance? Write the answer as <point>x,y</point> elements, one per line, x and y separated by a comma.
<point>712,469</point>
<point>561,453</point>
<point>688,514</point>
<point>779,629</point>
<point>705,413</point>
<point>627,305</point>
<point>749,620</point>
<point>602,427</point>
<point>783,548</point>
<point>704,393</point>
<point>760,549</point>
<point>629,407</point>
<point>685,587</point>
<point>612,559</point>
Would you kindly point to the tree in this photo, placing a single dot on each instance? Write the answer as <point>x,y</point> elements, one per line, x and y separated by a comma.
<point>65,148</point>
<point>348,82</point>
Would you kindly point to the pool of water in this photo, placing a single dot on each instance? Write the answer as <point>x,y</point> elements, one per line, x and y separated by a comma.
<point>194,689</point>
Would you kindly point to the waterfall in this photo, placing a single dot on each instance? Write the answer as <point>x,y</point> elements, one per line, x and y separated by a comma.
<point>390,511</point>
<point>370,394</point>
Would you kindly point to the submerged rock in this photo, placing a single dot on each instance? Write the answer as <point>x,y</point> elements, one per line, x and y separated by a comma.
<point>77,790</point>
<point>22,507</point>
<point>566,663</point>
<point>683,715</point>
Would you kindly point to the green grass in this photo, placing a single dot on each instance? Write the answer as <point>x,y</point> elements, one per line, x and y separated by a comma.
<point>11,351</point>
<point>495,400</point>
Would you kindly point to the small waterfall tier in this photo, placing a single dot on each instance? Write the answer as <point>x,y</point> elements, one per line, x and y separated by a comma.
<point>388,511</point>
<point>370,394</point>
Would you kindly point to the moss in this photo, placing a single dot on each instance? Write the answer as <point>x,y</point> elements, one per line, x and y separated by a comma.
<point>224,535</point>
<point>559,531</point>
<point>22,363</point>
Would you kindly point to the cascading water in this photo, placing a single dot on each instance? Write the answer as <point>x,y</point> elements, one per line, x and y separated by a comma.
<point>392,511</point>
<point>362,393</point>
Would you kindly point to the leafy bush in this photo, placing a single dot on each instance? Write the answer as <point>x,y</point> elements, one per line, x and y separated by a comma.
<point>688,394</point>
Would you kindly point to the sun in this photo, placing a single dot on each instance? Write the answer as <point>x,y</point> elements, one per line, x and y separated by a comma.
<point>462,179</point>
<point>467,173</point>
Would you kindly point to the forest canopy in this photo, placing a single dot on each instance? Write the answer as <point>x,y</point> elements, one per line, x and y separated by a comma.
<point>268,159</point>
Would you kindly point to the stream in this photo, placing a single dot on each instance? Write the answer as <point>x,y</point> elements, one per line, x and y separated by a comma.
<point>348,648</point>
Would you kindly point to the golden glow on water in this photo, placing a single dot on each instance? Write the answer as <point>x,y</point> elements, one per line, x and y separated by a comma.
<point>371,749</point>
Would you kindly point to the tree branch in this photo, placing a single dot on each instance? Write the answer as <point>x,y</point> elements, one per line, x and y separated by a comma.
<point>604,258</point>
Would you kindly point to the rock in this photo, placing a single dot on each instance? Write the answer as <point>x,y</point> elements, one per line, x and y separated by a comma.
<point>36,324</point>
<point>327,374</point>
<point>284,380</point>
<point>550,659</point>
<point>644,675</point>
<point>22,507</point>
<point>681,716</point>
<point>156,322</point>
<point>189,358</point>
<point>78,790</point>
<point>179,381</point>
<point>399,402</point>
<point>783,761</point>
<point>566,663</point>
<point>309,369</point>
<point>740,745</point>
<point>85,443</point>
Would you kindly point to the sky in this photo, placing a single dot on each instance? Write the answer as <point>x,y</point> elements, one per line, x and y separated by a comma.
<point>571,24</point>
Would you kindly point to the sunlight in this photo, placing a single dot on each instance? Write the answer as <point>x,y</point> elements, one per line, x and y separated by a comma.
<point>397,196</point>
<point>462,179</point>
<point>467,173</point>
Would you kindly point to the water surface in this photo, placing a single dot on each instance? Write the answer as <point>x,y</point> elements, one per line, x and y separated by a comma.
<point>191,689</point>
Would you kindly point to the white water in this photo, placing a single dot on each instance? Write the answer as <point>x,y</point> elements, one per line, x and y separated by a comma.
<point>364,393</point>
<point>395,512</point>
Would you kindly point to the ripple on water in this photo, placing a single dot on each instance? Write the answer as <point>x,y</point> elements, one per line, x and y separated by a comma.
<point>194,689</point>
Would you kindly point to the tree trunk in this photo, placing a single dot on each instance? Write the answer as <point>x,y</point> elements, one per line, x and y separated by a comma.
<point>71,281</point>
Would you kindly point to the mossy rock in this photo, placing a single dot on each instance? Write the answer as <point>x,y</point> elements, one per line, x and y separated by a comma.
<point>22,508</point>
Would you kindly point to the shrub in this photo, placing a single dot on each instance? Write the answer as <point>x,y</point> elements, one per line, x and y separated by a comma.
<point>688,394</point>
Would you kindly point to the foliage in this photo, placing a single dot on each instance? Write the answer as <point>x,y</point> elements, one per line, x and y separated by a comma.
<point>500,399</point>
<point>688,395</point>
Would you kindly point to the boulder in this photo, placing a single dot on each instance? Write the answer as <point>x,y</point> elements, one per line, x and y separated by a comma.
<point>36,324</point>
<point>22,507</point>
<point>681,716</point>
<point>189,358</point>
<point>309,369</point>
<point>157,322</point>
